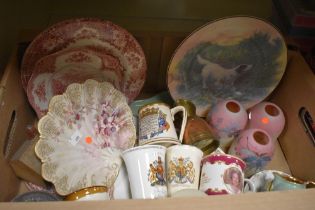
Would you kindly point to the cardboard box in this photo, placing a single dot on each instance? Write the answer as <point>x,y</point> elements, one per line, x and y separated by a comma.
<point>295,152</point>
<point>26,164</point>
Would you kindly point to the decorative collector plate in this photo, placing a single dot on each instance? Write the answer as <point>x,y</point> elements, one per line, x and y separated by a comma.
<point>53,73</point>
<point>240,58</point>
<point>82,135</point>
<point>76,33</point>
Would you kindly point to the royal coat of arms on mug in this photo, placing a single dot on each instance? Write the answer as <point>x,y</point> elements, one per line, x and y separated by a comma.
<point>156,173</point>
<point>181,170</point>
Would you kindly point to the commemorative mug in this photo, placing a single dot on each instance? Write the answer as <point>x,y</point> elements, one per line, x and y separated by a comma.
<point>183,168</point>
<point>223,174</point>
<point>146,171</point>
<point>156,124</point>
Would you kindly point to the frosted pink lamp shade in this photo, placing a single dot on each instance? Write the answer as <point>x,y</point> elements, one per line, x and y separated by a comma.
<point>255,147</point>
<point>226,119</point>
<point>267,116</point>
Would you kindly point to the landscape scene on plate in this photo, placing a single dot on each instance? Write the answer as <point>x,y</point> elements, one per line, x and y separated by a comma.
<point>210,72</point>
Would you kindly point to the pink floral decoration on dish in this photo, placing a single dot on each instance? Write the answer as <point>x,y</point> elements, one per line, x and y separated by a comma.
<point>82,136</point>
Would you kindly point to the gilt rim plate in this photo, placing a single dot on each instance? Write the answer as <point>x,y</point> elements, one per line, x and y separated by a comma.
<point>75,33</point>
<point>82,136</point>
<point>241,58</point>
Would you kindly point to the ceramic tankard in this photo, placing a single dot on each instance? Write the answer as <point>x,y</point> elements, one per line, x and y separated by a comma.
<point>156,124</point>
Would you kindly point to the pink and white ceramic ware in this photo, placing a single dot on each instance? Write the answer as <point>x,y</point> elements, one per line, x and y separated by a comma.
<point>255,147</point>
<point>223,174</point>
<point>81,32</point>
<point>82,136</point>
<point>226,119</point>
<point>267,116</point>
<point>53,73</point>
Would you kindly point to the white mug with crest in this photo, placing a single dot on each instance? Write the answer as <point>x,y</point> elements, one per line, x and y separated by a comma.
<point>183,168</point>
<point>156,124</point>
<point>146,171</point>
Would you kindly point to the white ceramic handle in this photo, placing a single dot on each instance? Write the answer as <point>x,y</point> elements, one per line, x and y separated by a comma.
<point>251,186</point>
<point>173,112</point>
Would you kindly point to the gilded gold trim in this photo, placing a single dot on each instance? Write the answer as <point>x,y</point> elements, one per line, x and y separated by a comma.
<point>153,103</point>
<point>290,178</point>
<point>84,192</point>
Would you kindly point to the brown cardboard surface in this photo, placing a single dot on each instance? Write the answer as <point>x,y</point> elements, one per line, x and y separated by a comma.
<point>26,165</point>
<point>297,89</point>
<point>286,200</point>
<point>278,161</point>
<point>14,108</point>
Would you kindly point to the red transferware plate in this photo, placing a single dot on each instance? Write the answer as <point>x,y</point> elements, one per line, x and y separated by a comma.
<point>76,33</point>
<point>53,73</point>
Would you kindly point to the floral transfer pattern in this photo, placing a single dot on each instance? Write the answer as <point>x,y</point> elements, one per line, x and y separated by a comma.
<point>90,32</point>
<point>89,125</point>
<point>63,68</point>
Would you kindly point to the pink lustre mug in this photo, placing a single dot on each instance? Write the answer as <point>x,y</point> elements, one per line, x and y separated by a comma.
<point>223,174</point>
<point>156,124</point>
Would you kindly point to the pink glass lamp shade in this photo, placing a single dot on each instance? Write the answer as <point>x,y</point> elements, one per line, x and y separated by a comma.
<point>255,147</point>
<point>226,119</point>
<point>267,116</point>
